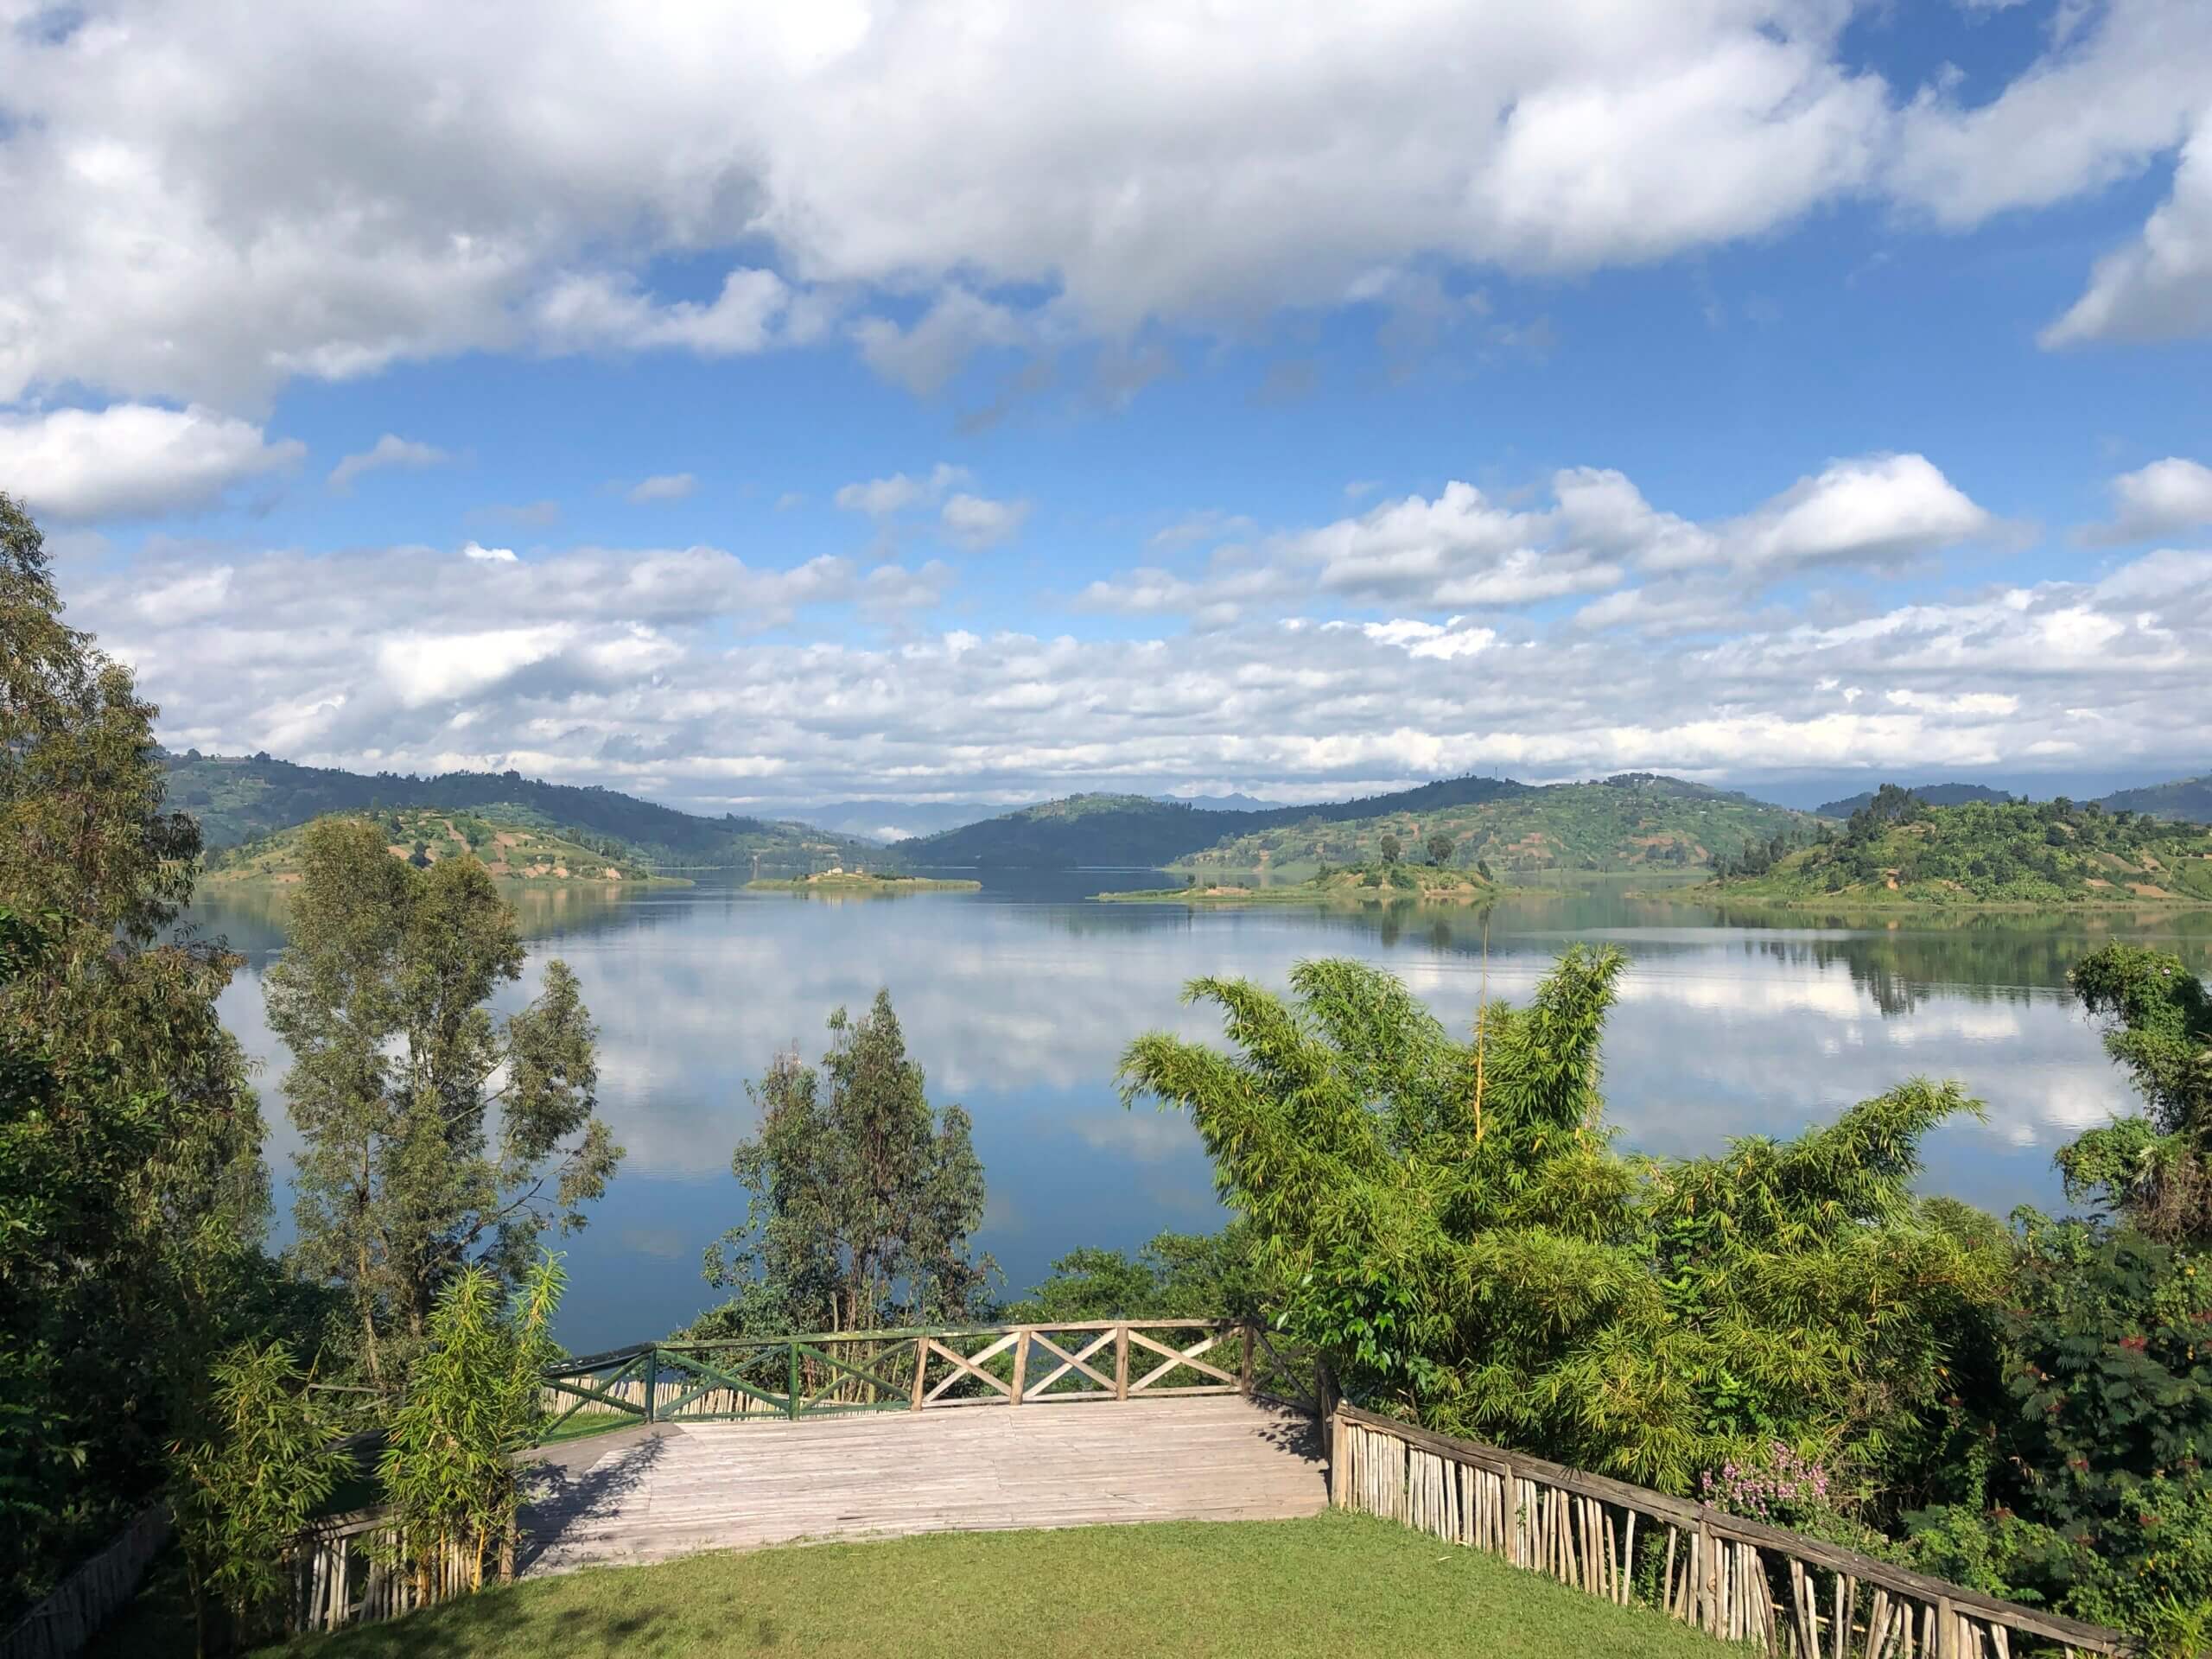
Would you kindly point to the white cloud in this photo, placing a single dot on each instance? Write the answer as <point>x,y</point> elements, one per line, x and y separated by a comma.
<point>616,666</point>
<point>977,522</point>
<point>205,202</point>
<point>661,486</point>
<point>1463,550</point>
<point>2164,499</point>
<point>390,450</point>
<point>1876,510</point>
<point>132,460</point>
<point>2160,286</point>
<point>880,497</point>
<point>488,554</point>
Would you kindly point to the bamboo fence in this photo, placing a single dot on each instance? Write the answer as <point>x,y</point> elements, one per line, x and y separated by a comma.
<point>1789,1596</point>
<point>59,1626</point>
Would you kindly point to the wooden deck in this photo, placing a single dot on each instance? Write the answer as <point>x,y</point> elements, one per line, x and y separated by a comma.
<point>674,1488</point>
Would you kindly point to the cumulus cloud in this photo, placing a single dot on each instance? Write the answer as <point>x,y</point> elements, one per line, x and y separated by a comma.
<point>1463,550</point>
<point>661,486</point>
<point>616,666</point>
<point>977,522</point>
<point>390,450</point>
<point>879,498</point>
<point>132,460</point>
<point>2167,498</point>
<point>406,189</point>
<point>2158,287</point>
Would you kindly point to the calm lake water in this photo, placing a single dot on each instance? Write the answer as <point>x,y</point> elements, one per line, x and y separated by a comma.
<point>1019,1000</point>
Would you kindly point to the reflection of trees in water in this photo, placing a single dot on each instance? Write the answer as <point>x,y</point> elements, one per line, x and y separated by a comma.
<point>1989,958</point>
<point>251,915</point>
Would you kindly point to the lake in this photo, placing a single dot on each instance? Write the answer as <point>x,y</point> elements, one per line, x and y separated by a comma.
<point>1019,1000</point>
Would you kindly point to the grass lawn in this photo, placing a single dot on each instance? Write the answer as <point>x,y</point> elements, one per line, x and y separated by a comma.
<point>1339,1585</point>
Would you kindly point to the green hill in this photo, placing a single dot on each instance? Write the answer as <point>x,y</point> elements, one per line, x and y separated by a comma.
<point>1898,850</point>
<point>239,799</point>
<point>511,847</point>
<point>1137,831</point>
<point>2186,799</point>
<point>1635,820</point>
<point>1933,794</point>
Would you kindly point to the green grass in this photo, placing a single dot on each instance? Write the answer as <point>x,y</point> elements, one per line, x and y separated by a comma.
<point>1339,1585</point>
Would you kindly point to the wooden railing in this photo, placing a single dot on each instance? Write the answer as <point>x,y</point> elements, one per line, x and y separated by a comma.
<point>1790,1596</point>
<point>62,1624</point>
<point>833,1373</point>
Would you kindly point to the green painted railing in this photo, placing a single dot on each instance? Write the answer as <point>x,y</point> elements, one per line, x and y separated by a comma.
<point>835,1373</point>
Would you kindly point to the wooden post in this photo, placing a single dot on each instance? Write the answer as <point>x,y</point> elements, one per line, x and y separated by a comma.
<point>1120,1362</point>
<point>652,1383</point>
<point>1244,1371</point>
<point>921,1367</point>
<point>1020,1364</point>
<point>791,1400</point>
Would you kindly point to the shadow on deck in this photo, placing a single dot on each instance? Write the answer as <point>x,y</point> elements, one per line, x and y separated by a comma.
<point>651,1494</point>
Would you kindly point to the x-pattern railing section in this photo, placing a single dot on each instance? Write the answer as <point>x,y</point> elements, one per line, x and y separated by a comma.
<point>834,1373</point>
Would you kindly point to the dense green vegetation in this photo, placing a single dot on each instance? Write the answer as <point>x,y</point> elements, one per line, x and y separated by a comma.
<point>1635,820</point>
<point>1135,831</point>
<point>132,1192</point>
<point>504,837</point>
<point>860,883</point>
<point>1899,850</point>
<point>239,799</point>
<point>1933,794</point>
<point>1336,1586</point>
<point>1382,881</point>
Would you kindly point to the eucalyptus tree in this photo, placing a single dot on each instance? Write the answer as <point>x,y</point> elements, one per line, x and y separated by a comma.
<point>436,1135</point>
<point>1449,1220</point>
<point>862,1196</point>
<point>132,1188</point>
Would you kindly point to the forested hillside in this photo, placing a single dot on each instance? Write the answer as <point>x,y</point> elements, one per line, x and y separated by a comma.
<point>1933,794</point>
<point>1631,822</point>
<point>513,843</point>
<point>238,798</point>
<point>1898,850</point>
<point>2188,799</point>
<point>1140,831</point>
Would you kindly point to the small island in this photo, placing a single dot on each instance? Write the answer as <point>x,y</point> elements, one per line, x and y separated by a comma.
<point>1377,883</point>
<point>845,883</point>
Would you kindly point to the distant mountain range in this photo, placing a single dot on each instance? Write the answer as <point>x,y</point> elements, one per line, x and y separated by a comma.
<point>890,821</point>
<point>1136,832</point>
<point>1633,820</point>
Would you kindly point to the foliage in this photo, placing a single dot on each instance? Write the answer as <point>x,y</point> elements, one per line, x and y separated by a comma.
<point>241,799</point>
<point>1898,850</point>
<point>1174,1276</point>
<point>1635,820</point>
<point>2156,1169</point>
<point>862,1195</point>
<point>132,1188</point>
<point>1930,794</point>
<point>1446,1221</point>
<point>473,1403</point>
<point>244,1484</point>
<point>399,1068</point>
<point>2098,1497</point>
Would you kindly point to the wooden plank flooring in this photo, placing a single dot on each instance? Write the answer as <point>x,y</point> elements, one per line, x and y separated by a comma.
<point>682,1487</point>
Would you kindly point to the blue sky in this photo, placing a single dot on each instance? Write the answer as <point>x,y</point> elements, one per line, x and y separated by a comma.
<point>746,407</point>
